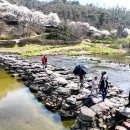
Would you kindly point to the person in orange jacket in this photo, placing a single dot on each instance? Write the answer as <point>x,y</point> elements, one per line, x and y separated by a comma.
<point>44,61</point>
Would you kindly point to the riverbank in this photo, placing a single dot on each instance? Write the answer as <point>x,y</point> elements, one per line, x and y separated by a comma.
<point>58,88</point>
<point>84,48</point>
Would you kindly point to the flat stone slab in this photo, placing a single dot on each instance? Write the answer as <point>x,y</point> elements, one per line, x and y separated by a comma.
<point>120,128</point>
<point>72,86</point>
<point>109,103</point>
<point>61,80</point>
<point>85,91</point>
<point>103,106</point>
<point>126,125</point>
<point>62,90</point>
<point>96,108</point>
<point>86,114</point>
<point>94,129</point>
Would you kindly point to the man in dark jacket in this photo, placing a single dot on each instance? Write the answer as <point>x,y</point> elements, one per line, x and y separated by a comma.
<point>104,85</point>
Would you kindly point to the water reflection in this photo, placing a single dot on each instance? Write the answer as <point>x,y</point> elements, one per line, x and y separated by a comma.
<point>7,83</point>
<point>19,110</point>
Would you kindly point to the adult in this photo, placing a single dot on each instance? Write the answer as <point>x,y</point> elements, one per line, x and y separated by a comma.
<point>81,80</point>
<point>104,85</point>
<point>80,71</point>
<point>103,75</point>
<point>44,61</point>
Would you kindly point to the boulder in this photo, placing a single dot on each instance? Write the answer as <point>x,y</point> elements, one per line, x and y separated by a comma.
<point>96,99</point>
<point>86,114</point>
<point>73,88</point>
<point>120,128</point>
<point>85,91</point>
<point>126,125</point>
<point>72,85</point>
<point>76,126</point>
<point>109,103</point>
<point>71,101</point>
<point>96,109</point>
<point>86,85</point>
<point>113,93</point>
<point>125,112</point>
<point>94,129</point>
<point>63,91</point>
<point>59,69</point>
<point>49,72</point>
<point>56,75</point>
<point>103,106</point>
<point>47,88</point>
<point>61,81</point>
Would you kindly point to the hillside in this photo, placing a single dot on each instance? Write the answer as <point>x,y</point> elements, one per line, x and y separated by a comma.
<point>19,21</point>
<point>67,10</point>
<point>30,17</point>
<point>30,32</point>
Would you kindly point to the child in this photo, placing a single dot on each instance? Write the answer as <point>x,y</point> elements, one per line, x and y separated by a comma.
<point>95,85</point>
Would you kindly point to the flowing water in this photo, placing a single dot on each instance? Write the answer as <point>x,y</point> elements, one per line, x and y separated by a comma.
<point>20,110</point>
<point>117,68</point>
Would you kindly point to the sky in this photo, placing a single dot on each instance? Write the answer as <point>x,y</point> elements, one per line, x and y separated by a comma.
<point>108,3</point>
<point>105,3</point>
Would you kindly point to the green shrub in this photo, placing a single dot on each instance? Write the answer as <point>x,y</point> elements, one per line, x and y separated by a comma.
<point>72,42</point>
<point>43,36</point>
<point>95,49</point>
<point>6,37</point>
<point>114,46</point>
<point>124,42</point>
<point>58,36</point>
<point>26,41</point>
<point>102,41</point>
<point>60,42</point>
<point>21,43</point>
<point>7,44</point>
<point>72,53</point>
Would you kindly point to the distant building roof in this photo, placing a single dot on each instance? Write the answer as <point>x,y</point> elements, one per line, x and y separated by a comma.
<point>50,26</point>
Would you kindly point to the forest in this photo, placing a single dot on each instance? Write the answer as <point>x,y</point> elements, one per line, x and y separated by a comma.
<point>100,18</point>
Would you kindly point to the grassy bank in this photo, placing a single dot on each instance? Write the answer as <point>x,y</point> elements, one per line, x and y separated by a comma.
<point>83,48</point>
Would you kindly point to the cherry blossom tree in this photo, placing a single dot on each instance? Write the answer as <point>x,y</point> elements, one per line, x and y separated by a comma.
<point>23,14</point>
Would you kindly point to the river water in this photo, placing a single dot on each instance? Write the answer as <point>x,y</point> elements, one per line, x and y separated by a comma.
<point>117,68</point>
<point>20,110</point>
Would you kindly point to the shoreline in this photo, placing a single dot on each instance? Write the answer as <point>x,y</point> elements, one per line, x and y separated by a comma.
<point>84,48</point>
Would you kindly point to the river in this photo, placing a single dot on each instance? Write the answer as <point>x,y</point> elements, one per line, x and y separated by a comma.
<point>117,68</point>
<point>20,110</point>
